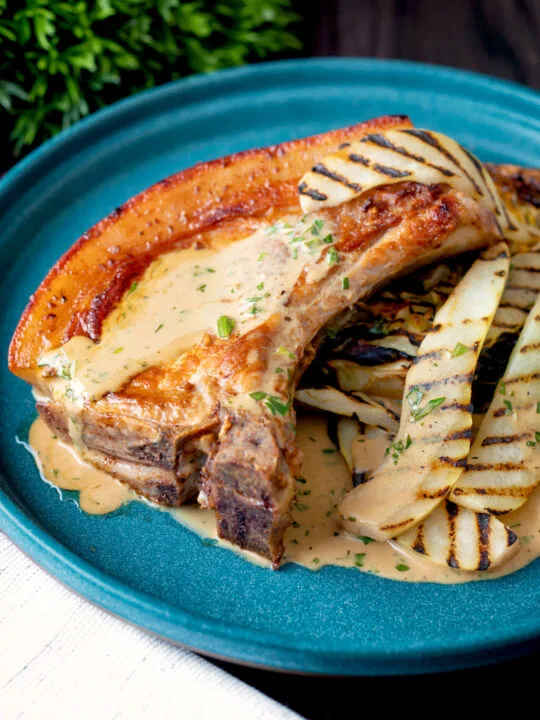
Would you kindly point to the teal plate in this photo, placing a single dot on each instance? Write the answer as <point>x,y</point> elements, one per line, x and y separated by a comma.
<point>142,565</point>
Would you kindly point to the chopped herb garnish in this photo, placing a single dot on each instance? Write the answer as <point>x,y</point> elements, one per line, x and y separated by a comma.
<point>279,370</point>
<point>538,408</point>
<point>202,271</point>
<point>317,227</point>
<point>316,560</point>
<point>414,396</point>
<point>254,310</point>
<point>397,448</point>
<point>537,436</point>
<point>225,326</point>
<point>261,257</point>
<point>298,239</point>
<point>273,403</point>
<point>283,351</point>
<point>530,443</point>
<point>345,283</point>
<point>275,406</point>
<point>295,524</point>
<point>333,257</point>
<point>133,287</point>
<point>329,451</point>
<point>365,539</point>
<point>301,507</point>
<point>201,288</point>
<point>328,240</point>
<point>359,559</point>
<point>295,254</point>
<point>118,350</point>
<point>508,406</point>
<point>459,350</point>
<point>502,388</point>
<point>421,412</point>
<point>159,327</point>
<point>312,246</point>
<point>260,286</point>
<point>258,395</point>
<point>352,518</point>
<point>402,567</point>
<point>301,480</point>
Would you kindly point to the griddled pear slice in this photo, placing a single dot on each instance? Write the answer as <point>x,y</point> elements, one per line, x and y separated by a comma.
<point>368,451</point>
<point>520,293</point>
<point>347,430</point>
<point>407,155</point>
<point>429,452</point>
<point>462,539</point>
<point>382,380</point>
<point>401,343</point>
<point>334,401</point>
<point>503,467</point>
<point>363,447</point>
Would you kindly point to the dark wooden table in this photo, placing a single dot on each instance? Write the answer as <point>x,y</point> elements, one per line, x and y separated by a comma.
<point>497,37</point>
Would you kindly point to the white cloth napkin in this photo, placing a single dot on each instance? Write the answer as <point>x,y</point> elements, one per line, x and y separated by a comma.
<point>61,657</point>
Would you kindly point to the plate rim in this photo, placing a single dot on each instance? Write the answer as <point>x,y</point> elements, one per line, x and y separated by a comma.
<point>207,635</point>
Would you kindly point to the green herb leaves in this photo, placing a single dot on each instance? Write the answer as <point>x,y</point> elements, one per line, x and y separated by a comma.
<point>421,412</point>
<point>333,257</point>
<point>397,448</point>
<point>60,61</point>
<point>283,351</point>
<point>273,403</point>
<point>459,350</point>
<point>225,326</point>
<point>414,396</point>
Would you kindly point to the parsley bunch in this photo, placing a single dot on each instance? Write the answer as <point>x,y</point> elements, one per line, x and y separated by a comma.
<point>60,60</point>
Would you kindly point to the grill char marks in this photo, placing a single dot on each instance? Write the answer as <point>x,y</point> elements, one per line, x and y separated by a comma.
<point>483,522</point>
<point>394,155</point>
<point>381,141</point>
<point>502,470</point>
<point>320,169</point>
<point>456,537</point>
<point>303,189</point>
<point>406,488</point>
<point>431,140</point>
<point>451,513</point>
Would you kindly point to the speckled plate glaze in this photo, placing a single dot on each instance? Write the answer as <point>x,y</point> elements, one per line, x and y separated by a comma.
<point>139,563</point>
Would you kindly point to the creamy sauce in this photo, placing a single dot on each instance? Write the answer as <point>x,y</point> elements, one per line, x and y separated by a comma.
<point>184,295</point>
<point>60,465</point>
<point>314,538</point>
